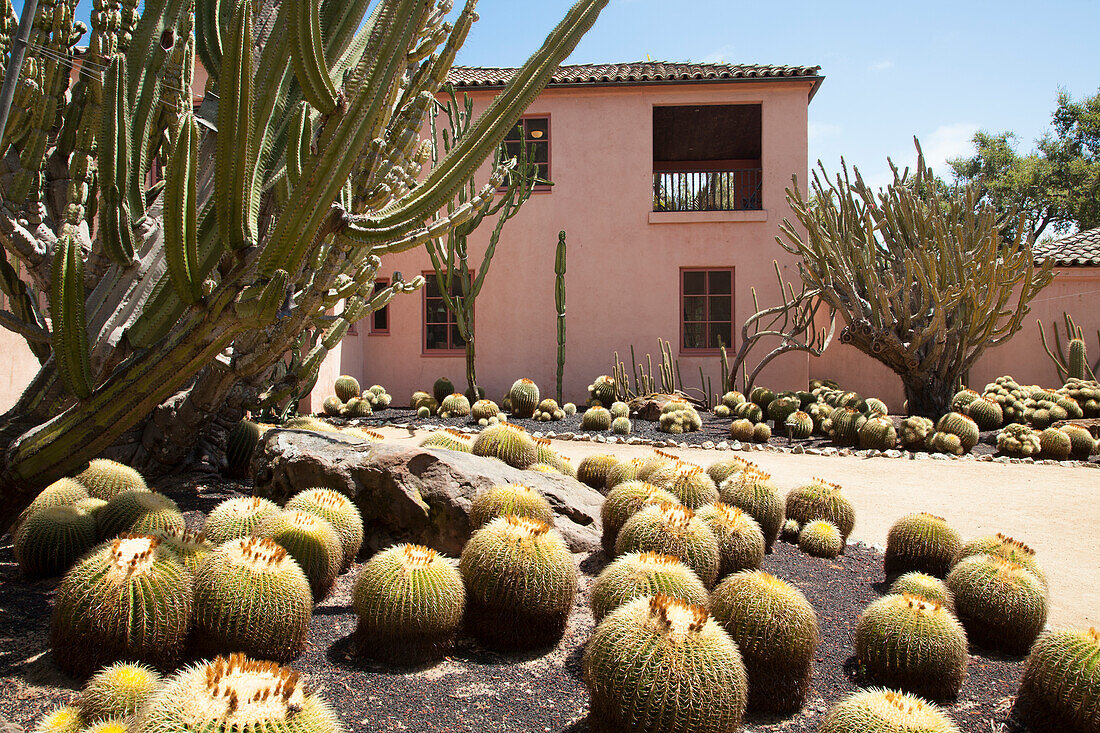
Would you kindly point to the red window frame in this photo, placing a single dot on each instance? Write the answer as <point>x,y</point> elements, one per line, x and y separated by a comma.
<point>451,322</point>
<point>545,167</point>
<point>707,320</point>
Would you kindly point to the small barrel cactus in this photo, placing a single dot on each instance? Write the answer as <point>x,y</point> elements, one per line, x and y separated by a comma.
<point>1019,441</point>
<point>550,457</point>
<point>752,491</point>
<point>1060,688</point>
<point>235,693</point>
<point>50,540</point>
<point>190,547</point>
<point>105,479</point>
<point>139,512</point>
<point>740,541</point>
<point>799,425</point>
<point>947,443</point>
<point>1055,444</point>
<point>776,629</point>
<point>621,426</point>
<point>520,581</point>
<point>569,408</point>
<point>593,470</point>
<point>442,388</point>
<point>845,423</point>
<point>548,410</point>
<point>357,407</point>
<point>874,407</point>
<point>332,406</point>
<point>820,538</point>
<point>781,408</point>
<point>347,387</point>
<point>484,409</point>
<point>507,442</point>
<point>515,499</point>
<point>1002,604</point>
<point>692,486</point>
<point>963,398</point>
<point>915,433</point>
<point>310,423</point>
<point>252,597</point>
<point>524,396</point>
<point>913,644</point>
<point>961,425</point>
<point>603,390</point>
<point>237,517</point>
<point>313,544</point>
<point>63,492</point>
<point>679,417</point>
<point>732,399</point>
<point>129,599</point>
<point>885,711</point>
<point>761,396</point>
<point>420,399</point>
<point>986,413</point>
<point>619,409</point>
<point>65,719</point>
<point>925,586</point>
<point>742,430</point>
<point>1082,444</point>
<point>820,499</point>
<point>596,418</point>
<point>721,470</point>
<point>749,411</point>
<point>622,471</point>
<point>623,502</point>
<point>645,574</point>
<point>656,462</point>
<point>240,444</point>
<point>450,439</point>
<point>410,602</point>
<point>454,405</point>
<point>878,433</point>
<point>790,531</point>
<point>761,433</point>
<point>339,511</point>
<point>921,542</point>
<point>1006,547</point>
<point>117,692</point>
<point>660,665</point>
<point>670,529</point>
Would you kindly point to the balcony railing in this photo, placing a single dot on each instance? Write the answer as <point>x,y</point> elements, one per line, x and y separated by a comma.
<point>707,190</point>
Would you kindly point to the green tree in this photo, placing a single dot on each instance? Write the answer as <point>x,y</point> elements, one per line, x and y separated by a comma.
<point>1056,186</point>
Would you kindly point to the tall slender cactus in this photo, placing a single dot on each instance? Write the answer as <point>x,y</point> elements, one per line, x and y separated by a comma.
<point>301,169</point>
<point>1076,364</point>
<point>559,301</point>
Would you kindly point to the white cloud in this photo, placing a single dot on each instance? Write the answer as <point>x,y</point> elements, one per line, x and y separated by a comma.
<point>946,141</point>
<point>721,55</point>
<point>883,65</point>
<point>819,130</point>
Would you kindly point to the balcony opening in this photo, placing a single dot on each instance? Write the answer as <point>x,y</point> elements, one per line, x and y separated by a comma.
<point>707,158</point>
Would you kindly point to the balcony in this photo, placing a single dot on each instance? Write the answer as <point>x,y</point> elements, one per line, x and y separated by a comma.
<point>737,189</point>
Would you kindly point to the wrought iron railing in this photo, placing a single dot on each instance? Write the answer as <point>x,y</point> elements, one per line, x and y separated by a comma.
<point>707,190</point>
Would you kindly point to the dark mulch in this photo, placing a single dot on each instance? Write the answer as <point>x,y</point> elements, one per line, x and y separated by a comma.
<point>477,690</point>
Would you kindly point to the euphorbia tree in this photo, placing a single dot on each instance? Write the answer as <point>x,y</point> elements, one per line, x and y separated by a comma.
<point>921,275</point>
<point>169,303</point>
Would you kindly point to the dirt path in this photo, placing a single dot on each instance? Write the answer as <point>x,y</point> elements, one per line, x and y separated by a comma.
<point>1054,509</point>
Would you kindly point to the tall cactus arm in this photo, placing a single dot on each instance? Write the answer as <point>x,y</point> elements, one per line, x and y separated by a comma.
<point>181,249</point>
<point>114,158</point>
<point>234,194</point>
<point>297,149</point>
<point>70,335</point>
<point>210,18</point>
<point>307,54</point>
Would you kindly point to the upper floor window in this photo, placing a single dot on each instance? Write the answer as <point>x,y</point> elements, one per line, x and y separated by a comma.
<point>706,309</point>
<point>440,324</point>
<point>707,158</point>
<point>534,134</point>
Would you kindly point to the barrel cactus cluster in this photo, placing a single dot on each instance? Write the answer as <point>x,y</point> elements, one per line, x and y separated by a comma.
<point>351,401</point>
<point>679,417</point>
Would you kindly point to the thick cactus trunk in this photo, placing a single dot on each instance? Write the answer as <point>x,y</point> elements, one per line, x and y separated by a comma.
<point>928,395</point>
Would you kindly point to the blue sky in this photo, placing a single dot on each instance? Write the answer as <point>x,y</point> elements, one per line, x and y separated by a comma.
<point>938,70</point>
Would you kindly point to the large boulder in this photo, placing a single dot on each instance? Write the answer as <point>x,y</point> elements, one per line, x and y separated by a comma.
<point>413,494</point>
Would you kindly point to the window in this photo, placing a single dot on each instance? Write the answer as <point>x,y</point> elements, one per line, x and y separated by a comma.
<point>534,133</point>
<point>380,319</point>
<point>706,309</point>
<point>440,325</point>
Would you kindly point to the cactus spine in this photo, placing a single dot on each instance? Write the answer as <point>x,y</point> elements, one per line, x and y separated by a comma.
<point>515,499</point>
<point>105,479</point>
<point>670,529</point>
<point>922,542</point>
<point>1059,688</point>
<point>339,511</point>
<point>117,692</point>
<point>885,711</point>
<point>313,544</point>
<point>645,574</point>
<point>236,518</point>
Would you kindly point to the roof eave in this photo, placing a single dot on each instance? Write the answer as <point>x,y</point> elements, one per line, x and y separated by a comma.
<point>815,80</point>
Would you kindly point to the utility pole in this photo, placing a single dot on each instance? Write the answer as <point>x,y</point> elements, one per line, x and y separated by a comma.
<point>15,64</point>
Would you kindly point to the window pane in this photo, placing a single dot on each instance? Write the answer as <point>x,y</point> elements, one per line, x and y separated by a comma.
<point>544,172</point>
<point>436,337</point>
<point>457,342</point>
<point>694,336</point>
<point>516,133</point>
<point>513,150</point>
<point>695,308</point>
<point>539,152</point>
<point>720,281</point>
<point>538,128</point>
<point>720,308</point>
<point>695,282</point>
<point>436,311</point>
<point>723,331</point>
<point>431,287</point>
<point>381,319</point>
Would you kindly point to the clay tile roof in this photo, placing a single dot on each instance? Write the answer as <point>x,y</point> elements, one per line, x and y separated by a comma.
<point>639,72</point>
<point>1076,250</point>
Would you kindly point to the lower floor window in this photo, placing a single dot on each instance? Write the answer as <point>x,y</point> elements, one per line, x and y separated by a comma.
<point>440,324</point>
<point>706,309</point>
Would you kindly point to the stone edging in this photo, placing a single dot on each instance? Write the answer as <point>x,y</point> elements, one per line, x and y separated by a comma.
<point>757,447</point>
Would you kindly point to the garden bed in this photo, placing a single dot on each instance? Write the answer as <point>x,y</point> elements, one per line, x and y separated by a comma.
<point>475,690</point>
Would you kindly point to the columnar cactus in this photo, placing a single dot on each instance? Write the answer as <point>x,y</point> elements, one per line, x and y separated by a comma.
<point>660,665</point>
<point>515,499</point>
<point>117,692</point>
<point>594,469</point>
<point>520,581</point>
<point>924,586</point>
<point>454,405</point>
<point>50,540</point>
<point>645,574</point>
<point>622,502</point>
<point>776,630</point>
<point>189,547</point>
<point>671,529</point>
<point>139,512</point>
<point>820,499</point>
<point>596,418</point>
<point>915,433</point>
<point>878,433</point>
<point>693,487</point>
<point>313,544</point>
<point>130,599</point>
<point>1060,688</point>
<point>104,479</point>
<point>339,511</point>
<point>910,643</point>
<point>252,597</point>
<point>524,396</point>
<point>238,517</point>
<point>240,444</point>
<point>799,425</point>
<point>921,542</point>
<point>820,538</point>
<point>1002,604</point>
<point>450,439</point>
<point>510,443</point>
<point>235,693</point>
<point>740,541</point>
<point>347,387</point>
<point>410,602</point>
<point>885,711</point>
<point>752,491</point>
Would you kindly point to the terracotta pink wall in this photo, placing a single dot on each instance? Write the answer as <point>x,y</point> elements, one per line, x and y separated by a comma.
<point>622,284</point>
